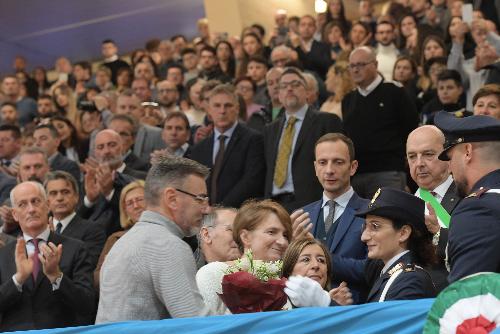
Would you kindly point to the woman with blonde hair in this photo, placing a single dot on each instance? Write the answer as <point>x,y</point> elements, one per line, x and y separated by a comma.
<point>65,100</point>
<point>338,83</point>
<point>131,207</point>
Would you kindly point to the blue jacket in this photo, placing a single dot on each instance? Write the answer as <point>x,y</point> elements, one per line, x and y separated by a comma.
<point>347,250</point>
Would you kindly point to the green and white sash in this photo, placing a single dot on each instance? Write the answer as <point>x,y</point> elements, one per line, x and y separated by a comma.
<point>441,213</point>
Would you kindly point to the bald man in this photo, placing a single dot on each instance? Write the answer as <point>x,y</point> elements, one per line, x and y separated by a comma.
<point>105,177</point>
<point>378,116</point>
<point>436,187</point>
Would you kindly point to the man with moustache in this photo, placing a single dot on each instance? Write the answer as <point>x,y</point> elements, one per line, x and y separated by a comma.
<point>436,188</point>
<point>473,149</point>
<point>289,144</point>
<point>149,274</point>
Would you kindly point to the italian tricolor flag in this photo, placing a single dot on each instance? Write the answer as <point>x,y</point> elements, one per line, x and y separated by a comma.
<point>468,306</point>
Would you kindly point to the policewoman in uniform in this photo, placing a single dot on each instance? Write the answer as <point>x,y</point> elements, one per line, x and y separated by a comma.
<point>395,233</point>
<point>473,148</point>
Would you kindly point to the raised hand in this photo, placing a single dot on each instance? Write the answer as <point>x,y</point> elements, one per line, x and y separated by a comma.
<point>301,225</point>
<point>49,256</point>
<point>24,264</point>
<point>91,186</point>
<point>431,221</point>
<point>341,295</point>
<point>105,177</point>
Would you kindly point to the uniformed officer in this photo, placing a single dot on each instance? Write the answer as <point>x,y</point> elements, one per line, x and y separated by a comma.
<point>395,233</point>
<point>473,149</point>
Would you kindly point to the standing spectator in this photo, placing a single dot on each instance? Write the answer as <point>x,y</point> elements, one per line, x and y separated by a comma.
<point>8,113</point>
<point>226,58</point>
<point>176,134</point>
<point>336,13</point>
<point>289,145</point>
<point>314,55</point>
<point>26,106</point>
<point>338,83</point>
<point>158,281</point>
<point>384,110</point>
<point>210,69</point>
<point>189,59</point>
<point>109,51</point>
<point>387,53</point>
<point>256,70</point>
<point>166,49</point>
<point>246,87</point>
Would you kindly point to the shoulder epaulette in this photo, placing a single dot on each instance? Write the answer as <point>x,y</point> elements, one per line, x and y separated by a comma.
<point>409,267</point>
<point>397,267</point>
<point>478,193</point>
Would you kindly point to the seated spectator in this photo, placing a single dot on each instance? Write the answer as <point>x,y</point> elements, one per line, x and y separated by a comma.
<point>195,113</point>
<point>46,107</point>
<point>282,55</point>
<point>145,69</point>
<point>26,106</point>
<point>82,72</point>
<point>47,138</point>
<point>215,239</point>
<point>395,233</point>
<point>226,58</point>
<point>256,69</point>
<point>246,88</point>
<point>63,198</point>
<point>8,114</point>
<point>360,35</point>
<point>333,35</point>
<point>53,286</point>
<point>167,96</point>
<point>427,83</point>
<point>338,83</point>
<point>210,69</point>
<point>124,78</point>
<point>252,46</point>
<point>131,207</point>
<point>312,90</point>
<point>65,101</point>
<point>140,87</point>
<point>190,62</point>
<point>175,75</point>
<point>40,76</point>
<point>449,91</point>
<point>103,78</point>
<point>487,101</point>
<point>152,114</point>
<point>406,73</point>
<point>71,146</point>
<point>33,165</point>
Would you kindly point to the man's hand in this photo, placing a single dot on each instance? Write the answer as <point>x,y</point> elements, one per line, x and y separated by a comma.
<point>49,256</point>
<point>105,177</point>
<point>301,225</point>
<point>91,186</point>
<point>24,265</point>
<point>9,224</point>
<point>202,132</point>
<point>431,221</point>
<point>341,295</point>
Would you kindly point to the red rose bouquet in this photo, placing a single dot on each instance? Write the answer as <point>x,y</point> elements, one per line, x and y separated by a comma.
<point>253,286</point>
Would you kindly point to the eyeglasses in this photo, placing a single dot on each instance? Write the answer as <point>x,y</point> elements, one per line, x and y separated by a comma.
<point>138,201</point>
<point>371,227</point>
<point>359,65</point>
<point>293,84</point>
<point>199,198</point>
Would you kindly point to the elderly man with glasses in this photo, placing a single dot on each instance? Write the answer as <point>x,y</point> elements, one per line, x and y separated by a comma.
<point>378,116</point>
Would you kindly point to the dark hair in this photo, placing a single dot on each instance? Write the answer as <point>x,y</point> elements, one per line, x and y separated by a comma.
<point>150,61</point>
<point>292,254</point>
<point>14,130</point>
<point>260,28</point>
<point>10,104</point>
<point>413,64</point>
<point>108,40</point>
<point>62,175</point>
<point>189,85</point>
<point>210,49</point>
<point>50,127</point>
<point>73,142</point>
<point>179,66</point>
<point>432,61</point>
<point>126,118</point>
<point>296,71</point>
<point>342,19</point>
<point>419,243</point>
<point>185,51</point>
<point>336,136</point>
<point>240,79</point>
<point>231,65</point>
<point>450,75</point>
<point>486,90</point>
<point>174,37</point>
<point>258,59</point>
<point>45,97</point>
<point>328,28</point>
<point>152,45</point>
<point>85,65</point>
<point>177,114</point>
<point>385,21</point>
<point>429,38</point>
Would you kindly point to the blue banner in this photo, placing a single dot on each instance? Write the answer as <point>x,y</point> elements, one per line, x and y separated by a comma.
<point>402,317</point>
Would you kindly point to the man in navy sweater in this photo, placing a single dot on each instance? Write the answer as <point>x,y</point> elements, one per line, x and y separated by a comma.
<point>378,116</point>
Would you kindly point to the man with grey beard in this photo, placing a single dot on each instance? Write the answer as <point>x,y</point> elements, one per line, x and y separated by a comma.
<point>105,176</point>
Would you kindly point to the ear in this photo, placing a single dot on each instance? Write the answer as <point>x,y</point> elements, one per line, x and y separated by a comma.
<point>205,235</point>
<point>354,167</point>
<point>169,198</point>
<point>245,238</point>
<point>468,152</point>
<point>404,233</point>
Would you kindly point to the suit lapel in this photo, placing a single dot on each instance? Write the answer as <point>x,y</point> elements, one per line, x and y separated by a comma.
<point>314,215</point>
<point>139,140</point>
<point>72,226</point>
<point>345,222</point>
<point>451,198</point>
<point>232,143</point>
<point>304,131</point>
<point>41,276</point>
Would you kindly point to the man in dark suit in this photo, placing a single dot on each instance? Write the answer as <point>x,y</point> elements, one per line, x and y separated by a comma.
<point>62,195</point>
<point>314,55</point>
<point>176,133</point>
<point>47,138</point>
<point>127,127</point>
<point>46,279</point>
<point>289,145</point>
<point>436,188</point>
<point>234,153</point>
<point>7,182</point>
<point>333,217</point>
<point>105,177</point>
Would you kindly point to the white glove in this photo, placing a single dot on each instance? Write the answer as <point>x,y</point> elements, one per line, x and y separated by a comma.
<point>305,292</point>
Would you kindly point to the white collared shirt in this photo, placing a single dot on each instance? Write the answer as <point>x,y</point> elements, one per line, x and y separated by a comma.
<point>65,221</point>
<point>366,91</point>
<point>340,204</point>
<point>307,46</point>
<point>299,115</point>
<point>111,59</point>
<point>392,261</point>
<point>228,133</point>
<point>182,150</point>
<point>440,192</point>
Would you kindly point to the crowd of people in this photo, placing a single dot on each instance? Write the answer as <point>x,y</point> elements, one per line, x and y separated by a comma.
<point>363,154</point>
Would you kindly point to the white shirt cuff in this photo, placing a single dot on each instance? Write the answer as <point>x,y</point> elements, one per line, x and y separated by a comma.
<point>16,283</point>
<point>57,283</point>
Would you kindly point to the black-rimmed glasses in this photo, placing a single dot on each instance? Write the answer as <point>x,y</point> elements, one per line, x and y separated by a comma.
<point>199,198</point>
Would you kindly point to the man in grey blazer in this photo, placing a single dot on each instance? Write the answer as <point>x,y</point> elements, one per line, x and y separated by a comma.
<point>436,187</point>
<point>158,281</point>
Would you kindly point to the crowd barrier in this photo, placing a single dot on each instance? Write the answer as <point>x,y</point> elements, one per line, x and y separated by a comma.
<point>401,317</point>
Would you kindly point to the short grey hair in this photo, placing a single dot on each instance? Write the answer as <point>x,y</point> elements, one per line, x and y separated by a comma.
<point>210,218</point>
<point>40,187</point>
<point>169,171</point>
<point>34,150</point>
<point>312,83</point>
